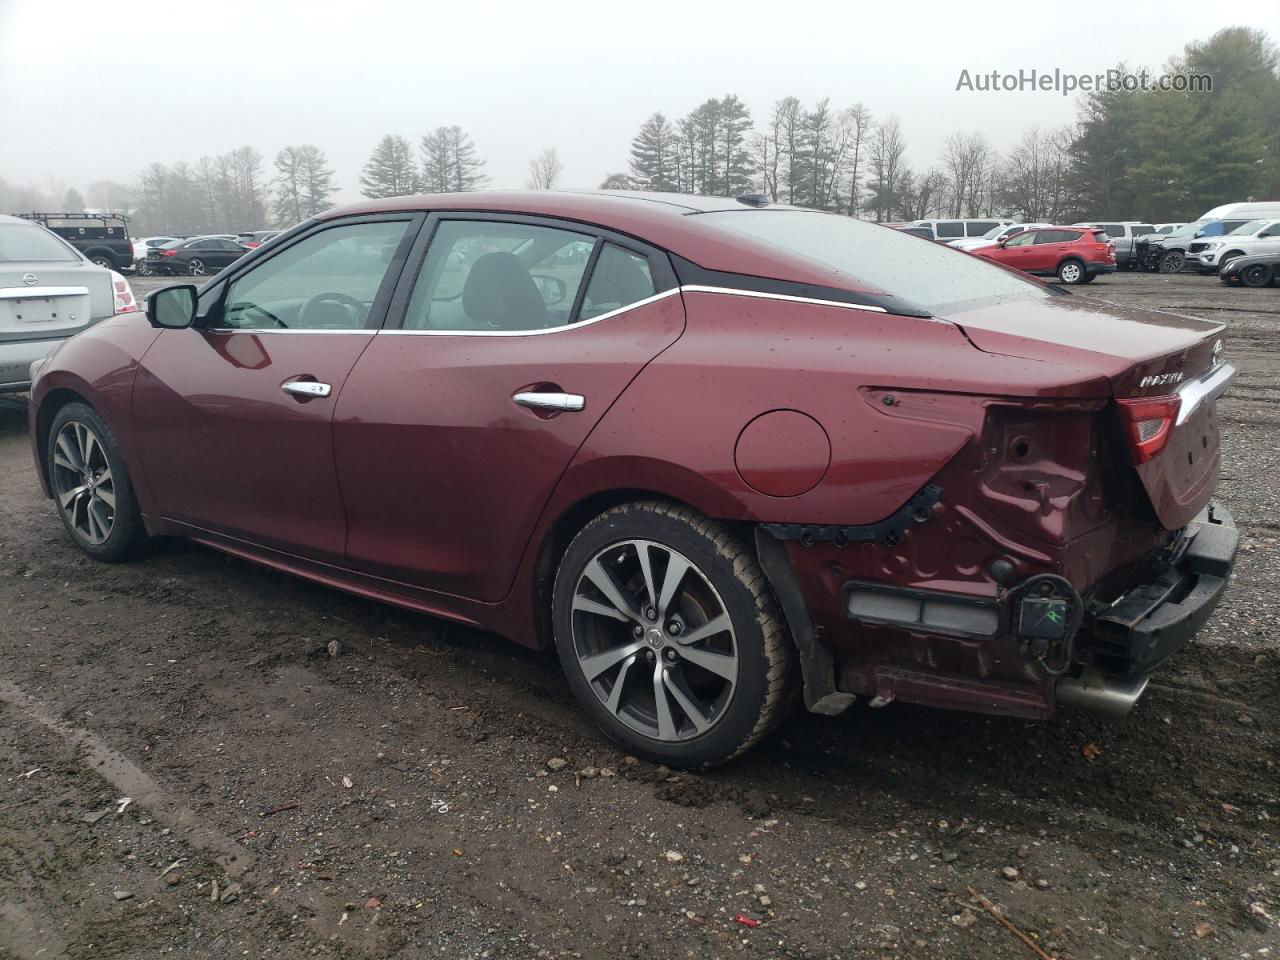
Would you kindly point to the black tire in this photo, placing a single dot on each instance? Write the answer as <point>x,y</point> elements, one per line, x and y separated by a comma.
<point>103,261</point>
<point>196,267</point>
<point>126,531</point>
<point>1172,262</point>
<point>1256,275</point>
<point>1088,277</point>
<point>1071,272</point>
<point>765,654</point>
<point>1227,258</point>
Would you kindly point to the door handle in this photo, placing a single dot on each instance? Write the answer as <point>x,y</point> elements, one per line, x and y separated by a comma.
<point>560,402</point>
<point>306,388</point>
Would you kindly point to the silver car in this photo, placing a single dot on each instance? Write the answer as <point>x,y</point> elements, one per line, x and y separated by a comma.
<point>49,291</point>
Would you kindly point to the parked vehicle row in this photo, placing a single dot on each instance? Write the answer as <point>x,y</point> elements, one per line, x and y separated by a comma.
<point>1038,529</point>
<point>196,257</point>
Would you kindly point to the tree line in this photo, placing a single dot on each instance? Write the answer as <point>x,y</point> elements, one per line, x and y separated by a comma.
<point>1156,155</point>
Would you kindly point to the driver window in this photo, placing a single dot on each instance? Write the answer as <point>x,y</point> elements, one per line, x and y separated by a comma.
<point>326,282</point>
<point>484,276</point>
<point>1021,239</point>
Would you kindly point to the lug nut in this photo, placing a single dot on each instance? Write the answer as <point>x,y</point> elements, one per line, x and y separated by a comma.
<point>674,628</point>
<point>650,613</point>
<point>637,631</point>
<point>648,655</point>
<point>671,656</point>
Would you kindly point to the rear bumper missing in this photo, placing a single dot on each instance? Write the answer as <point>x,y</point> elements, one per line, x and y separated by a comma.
<point>1142,628</point>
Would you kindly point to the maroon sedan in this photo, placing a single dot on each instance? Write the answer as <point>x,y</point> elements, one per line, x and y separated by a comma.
<point>716,452</point>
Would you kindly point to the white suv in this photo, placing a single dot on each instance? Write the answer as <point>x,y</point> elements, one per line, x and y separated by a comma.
<point>1256,236</point>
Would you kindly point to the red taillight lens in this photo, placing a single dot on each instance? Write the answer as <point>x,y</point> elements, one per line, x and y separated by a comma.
<point>168,253</point>
<point>1148,422</point>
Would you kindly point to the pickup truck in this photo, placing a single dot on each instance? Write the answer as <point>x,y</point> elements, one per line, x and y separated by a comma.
<point>102,237</point>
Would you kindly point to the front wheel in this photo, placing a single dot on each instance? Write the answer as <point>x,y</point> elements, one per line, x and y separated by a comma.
<point>1256,275</point>
<point>1071,272</point>
<point>91,484</point>
<point>1172,262</point>
<point>669,635</point>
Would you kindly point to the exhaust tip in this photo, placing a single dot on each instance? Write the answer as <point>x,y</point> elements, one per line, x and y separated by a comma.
<point>1098,693</point>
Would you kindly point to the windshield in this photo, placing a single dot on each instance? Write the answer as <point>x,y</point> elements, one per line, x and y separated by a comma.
<point>20,241</point>
<point>930,276</point>
<point>1252,227</point>
<point>996,231</point>
<point>1188,229</point>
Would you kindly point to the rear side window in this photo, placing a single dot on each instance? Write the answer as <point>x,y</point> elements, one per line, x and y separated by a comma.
<point>1113,230</point>
<point>1057,236</point>
<point>20,241</point>
<point>930,277</point>
<point>949,228</point>
<point>485,276</point>
<point>620,278</point>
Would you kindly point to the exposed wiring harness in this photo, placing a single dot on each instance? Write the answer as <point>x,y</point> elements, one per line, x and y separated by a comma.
<point>1050,586</point>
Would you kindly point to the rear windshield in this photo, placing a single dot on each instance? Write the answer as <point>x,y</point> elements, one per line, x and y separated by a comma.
<point>931,276</point>
<point>19,241</point>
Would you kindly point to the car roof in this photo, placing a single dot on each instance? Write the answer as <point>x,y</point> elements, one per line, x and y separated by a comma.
<point>671,221</point>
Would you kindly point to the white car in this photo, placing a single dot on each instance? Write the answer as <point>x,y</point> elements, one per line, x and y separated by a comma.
<point>1257,236</point>
<point>140,247</point>
<point>49,291</point>
<point>995,235</point>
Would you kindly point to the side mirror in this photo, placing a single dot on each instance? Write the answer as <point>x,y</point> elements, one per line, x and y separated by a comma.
<point>552,289</point>
<point>172,308</point>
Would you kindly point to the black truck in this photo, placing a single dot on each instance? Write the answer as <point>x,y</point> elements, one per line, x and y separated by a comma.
<point>102,237</point>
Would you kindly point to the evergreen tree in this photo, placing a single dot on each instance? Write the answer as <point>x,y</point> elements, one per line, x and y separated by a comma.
<point>72,202</point>
<point>390,170</point>
<point>653,155</point>
<point>450,163</point>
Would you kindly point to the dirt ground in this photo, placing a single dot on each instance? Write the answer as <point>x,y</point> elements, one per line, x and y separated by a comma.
<point>395,801</point>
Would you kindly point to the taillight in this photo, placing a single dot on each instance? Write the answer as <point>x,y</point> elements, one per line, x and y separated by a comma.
<point>168,253</point>
<point>123,294</point>
<point>1148,422</point>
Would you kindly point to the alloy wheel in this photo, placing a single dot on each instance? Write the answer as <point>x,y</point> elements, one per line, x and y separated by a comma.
<point>1070,273</point>
<point>83,483</point>
<point>1172,262</point>
<point>196,268</point>
<point>654,640</point>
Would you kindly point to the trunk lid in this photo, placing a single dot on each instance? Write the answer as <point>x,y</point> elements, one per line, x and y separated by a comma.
<point>1139,353</point>
<point>42,300</point>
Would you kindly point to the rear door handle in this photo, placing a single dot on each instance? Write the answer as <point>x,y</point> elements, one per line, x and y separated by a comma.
<point>561,402</point>
<point>306,388</point>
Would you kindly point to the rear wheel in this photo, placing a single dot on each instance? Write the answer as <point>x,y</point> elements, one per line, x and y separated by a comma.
<point>103,261</point>
<point>91,484</point>
<point>1071,272</point>
<point>669,635</point>
<point>196,267</point>
<point>1172,262</point>
<point>1256,275</point>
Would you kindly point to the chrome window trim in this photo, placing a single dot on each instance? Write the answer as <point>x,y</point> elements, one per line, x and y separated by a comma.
<point>275,330</point>
<point>1208,386</point>
<point>763,295</point>
<point>534,333</point>
<point>673,291</point>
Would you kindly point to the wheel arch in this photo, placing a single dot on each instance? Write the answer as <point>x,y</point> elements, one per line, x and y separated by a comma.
<point>571,511</point>
<point>50,404</point>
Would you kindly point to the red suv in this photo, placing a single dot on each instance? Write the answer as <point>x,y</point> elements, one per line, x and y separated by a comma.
<point>717,453</point>
<point>1072,254</point>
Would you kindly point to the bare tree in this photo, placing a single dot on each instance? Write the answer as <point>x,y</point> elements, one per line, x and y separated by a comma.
<point>858,126</point>
<point>970,164</point>
<point>887,164</point>
<point>545,170</point>
<point>1035,182</point>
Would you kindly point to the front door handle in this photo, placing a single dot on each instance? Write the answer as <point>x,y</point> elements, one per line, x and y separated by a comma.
<point>306,388</point>
<point>559,402</point>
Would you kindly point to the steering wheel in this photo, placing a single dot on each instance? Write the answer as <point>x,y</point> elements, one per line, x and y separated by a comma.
<point>263,311</point>
<point>361,310</point>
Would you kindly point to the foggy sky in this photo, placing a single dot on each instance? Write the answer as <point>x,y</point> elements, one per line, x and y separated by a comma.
<point>91,90</point>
